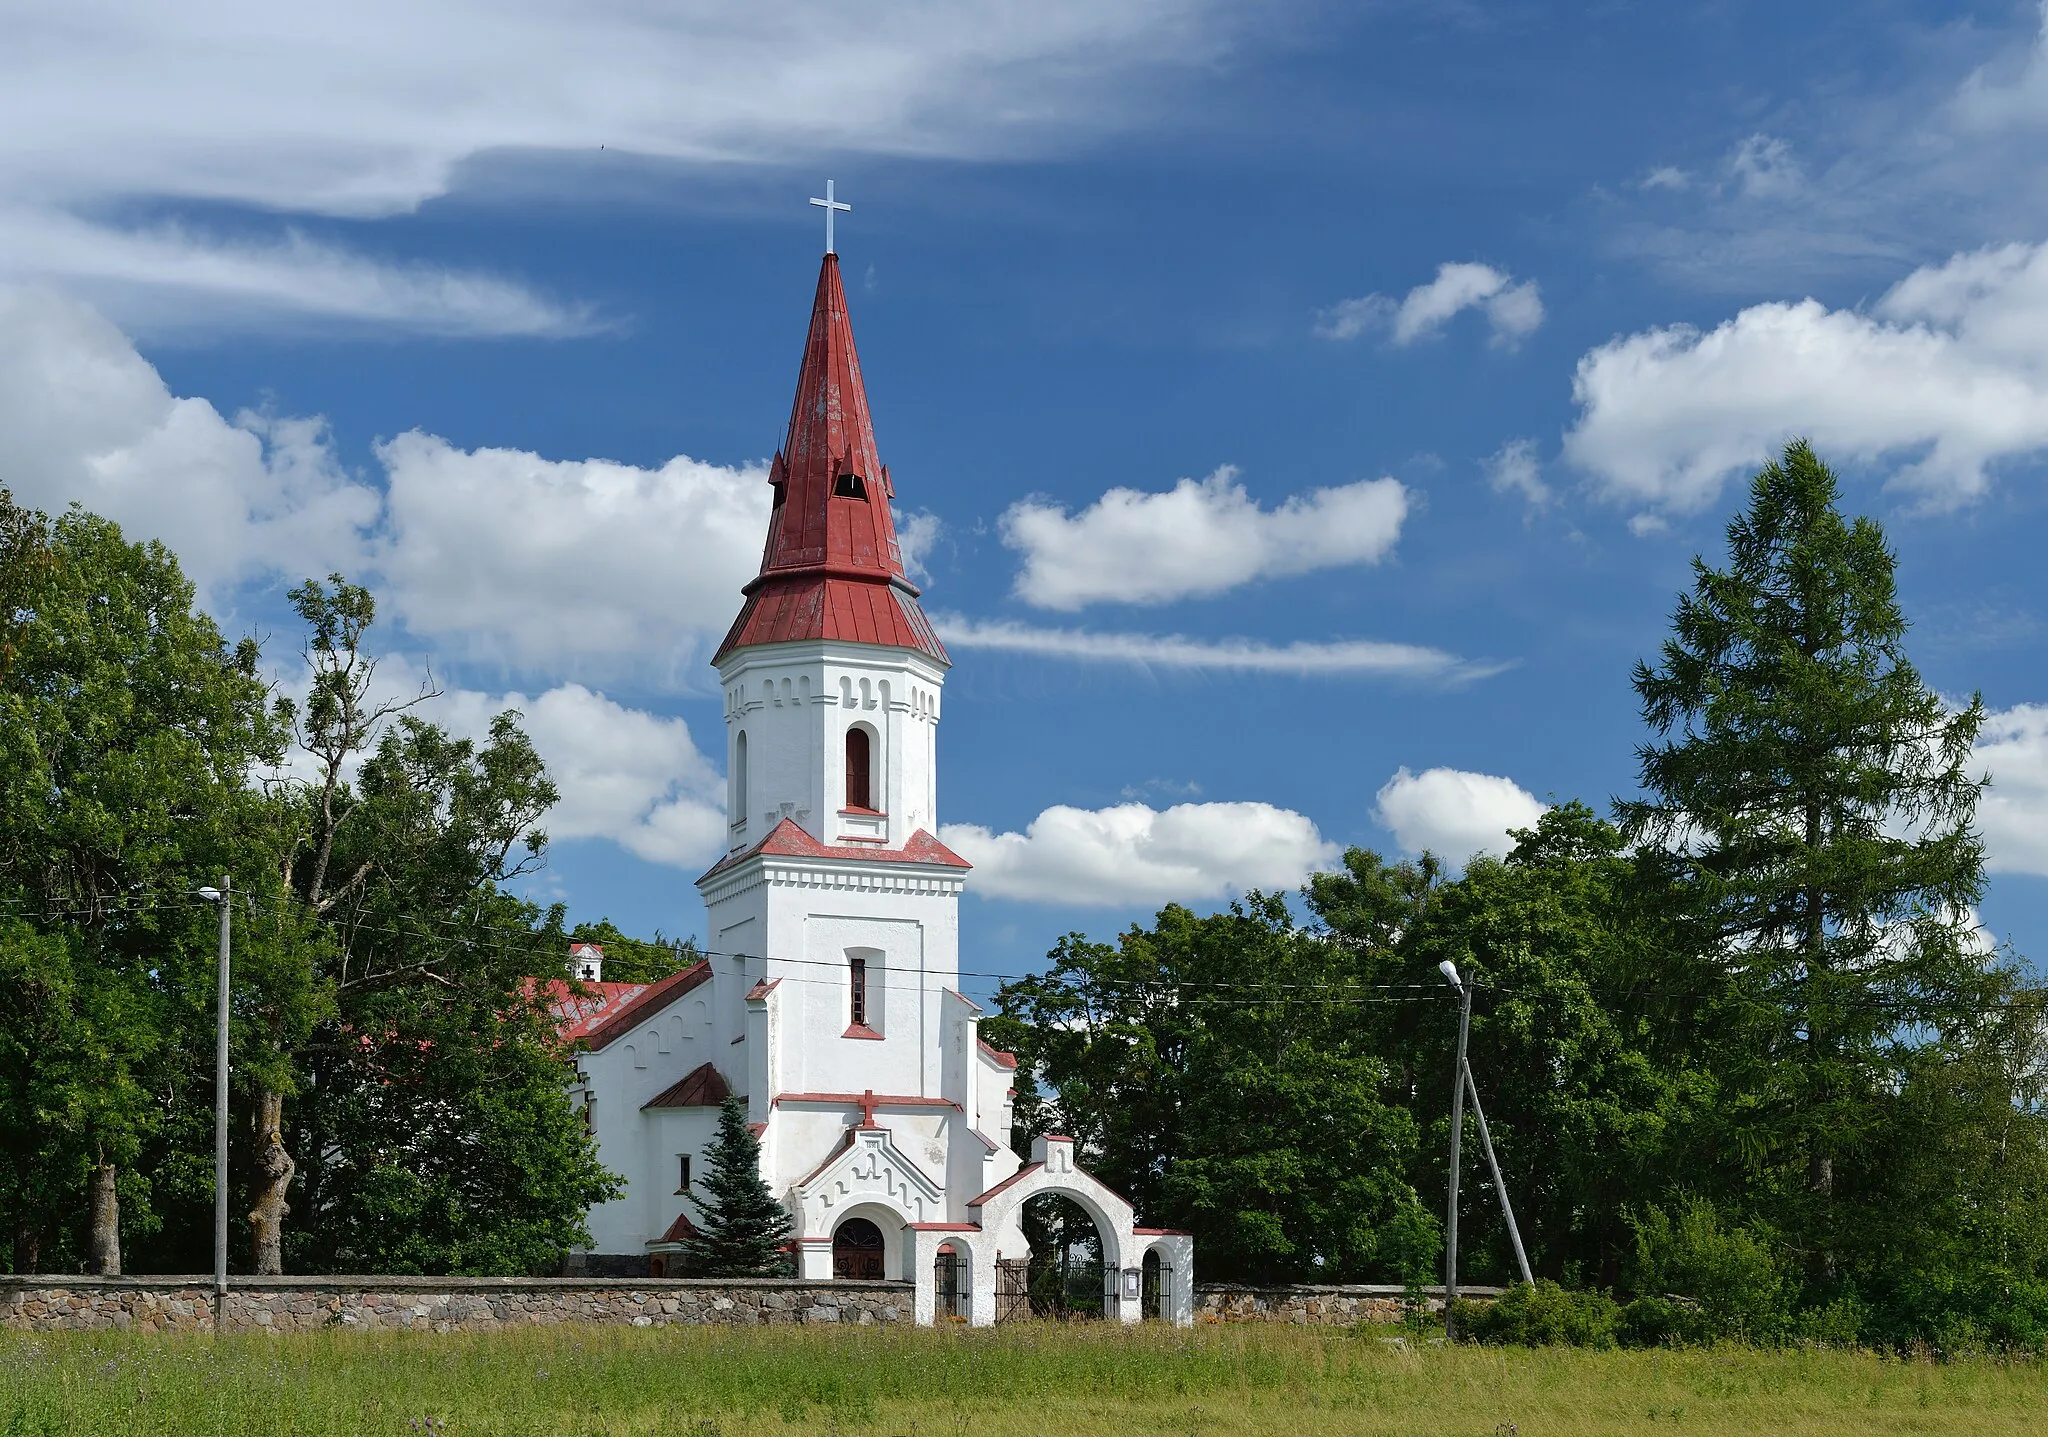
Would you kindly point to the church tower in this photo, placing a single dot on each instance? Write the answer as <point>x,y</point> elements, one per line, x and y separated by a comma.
<point>831,672</point>
<point>830,996</point>
<point>836,905</point>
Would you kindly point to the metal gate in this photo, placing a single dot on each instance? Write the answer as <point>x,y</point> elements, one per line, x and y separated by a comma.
<point>946,1271</point>
<point>1013,1288</point>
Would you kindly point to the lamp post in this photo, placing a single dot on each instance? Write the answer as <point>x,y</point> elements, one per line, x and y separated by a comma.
<point>1450,972</point>
<point>221,897</point>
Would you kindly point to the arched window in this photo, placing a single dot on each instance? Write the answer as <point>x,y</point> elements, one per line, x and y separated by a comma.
<point>859,792</point>
<point>739,780</point>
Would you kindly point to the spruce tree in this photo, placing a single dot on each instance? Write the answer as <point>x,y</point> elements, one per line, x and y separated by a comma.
<point>1811,802</point>
<point>744,1229</point>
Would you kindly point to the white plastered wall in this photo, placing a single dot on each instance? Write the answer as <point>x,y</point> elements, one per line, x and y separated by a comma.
<point>795,703</point>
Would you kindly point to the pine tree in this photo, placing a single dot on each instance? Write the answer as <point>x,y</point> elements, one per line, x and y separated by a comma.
<point>744,1229</point>
<point>1811,801</point>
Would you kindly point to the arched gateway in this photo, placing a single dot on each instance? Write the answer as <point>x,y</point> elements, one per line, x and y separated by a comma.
<point>832,997</point>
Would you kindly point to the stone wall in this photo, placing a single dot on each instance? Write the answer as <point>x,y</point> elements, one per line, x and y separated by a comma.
<point>1316,1306</point>
<point>440,1304</point>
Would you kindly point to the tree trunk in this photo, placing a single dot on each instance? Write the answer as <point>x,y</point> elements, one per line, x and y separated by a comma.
<point>28,1246</point>
<point>273,1169</point>
<point>103,1248</point>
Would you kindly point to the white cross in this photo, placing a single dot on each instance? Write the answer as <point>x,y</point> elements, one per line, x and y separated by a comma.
<point>828,205</point>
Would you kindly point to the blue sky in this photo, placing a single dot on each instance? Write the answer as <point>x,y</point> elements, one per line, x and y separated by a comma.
<point>1391,361</point>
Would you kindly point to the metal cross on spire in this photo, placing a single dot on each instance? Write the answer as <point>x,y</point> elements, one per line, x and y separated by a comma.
<point>829,205</point>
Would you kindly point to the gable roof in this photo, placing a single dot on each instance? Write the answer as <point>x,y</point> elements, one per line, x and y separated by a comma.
<point>650,1000</point>
<point>577,1012</point>
<point>702,1087</point>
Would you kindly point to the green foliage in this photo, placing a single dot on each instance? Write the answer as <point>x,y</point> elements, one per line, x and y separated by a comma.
<point>1734,1275</point>
<point>1808,804</point>
<point>637,960</point>
<point>1252,1114</point>
<point>743,1230</point>
<point>127,729</point>
<point>1544,1315</point>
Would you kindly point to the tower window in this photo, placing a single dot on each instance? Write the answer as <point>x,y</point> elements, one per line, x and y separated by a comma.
<point>857,972</point>
<point>850,486</point>
<point>739,781</point>
<point>682,1172</point>
<point>859,792</point>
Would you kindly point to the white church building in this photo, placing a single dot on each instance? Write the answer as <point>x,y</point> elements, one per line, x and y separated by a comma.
<point>829,997</point>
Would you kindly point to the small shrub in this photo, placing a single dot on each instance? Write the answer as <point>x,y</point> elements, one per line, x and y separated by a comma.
<point>1545,1315</point>
<point>1733,1273</point>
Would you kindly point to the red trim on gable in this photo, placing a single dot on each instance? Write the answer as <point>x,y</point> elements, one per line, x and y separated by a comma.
<point>789,839</point>
<point>760,991</point>
<point>1024,1172</point>
<point>845,1142</point>
<point>1007,1061</point>
<point>1160,1232</point>
<point>861,1030</point>
<point>651,1000</point>
<point>857,1100</point>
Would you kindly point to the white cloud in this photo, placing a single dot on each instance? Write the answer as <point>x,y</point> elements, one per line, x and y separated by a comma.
<point>625,775</point>
<point>373,108</point>
<point>1132,854</point>
<point>85,418</point>
<point>1203,536</point>
<point>1763,167</point>
<point>172,276</point>
<point>1454,814</point>
<point>1948,373</point>
<point>1516,470</point>
<point>587,565</point>
<point>2013,100</point>
<point>917,533</point>
<point>2013,814</point>
<point>579,568</point>
<point>1172,651</point>
<point>1515,311</point>
<point>1667,177</point>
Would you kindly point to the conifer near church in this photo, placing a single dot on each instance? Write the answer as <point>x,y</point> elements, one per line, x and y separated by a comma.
<point>744,1231</point>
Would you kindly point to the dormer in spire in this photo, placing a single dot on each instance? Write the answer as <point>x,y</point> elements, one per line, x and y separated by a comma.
<point>831,568</point>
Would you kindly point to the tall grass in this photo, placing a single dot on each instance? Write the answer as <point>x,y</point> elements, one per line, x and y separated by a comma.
<point>575,1382</point>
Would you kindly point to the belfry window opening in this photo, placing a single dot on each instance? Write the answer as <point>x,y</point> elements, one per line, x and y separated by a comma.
<point>739,780</point>
<point>859,767</point>
<point>850,486</point>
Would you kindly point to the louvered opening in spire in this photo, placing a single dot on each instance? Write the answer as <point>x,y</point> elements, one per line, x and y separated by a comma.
<point>831,567</point>
<point>834,510</point>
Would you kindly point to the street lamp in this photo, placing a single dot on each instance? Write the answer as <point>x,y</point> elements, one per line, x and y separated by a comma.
<point>222,897</point>
<point>1462,1084</point>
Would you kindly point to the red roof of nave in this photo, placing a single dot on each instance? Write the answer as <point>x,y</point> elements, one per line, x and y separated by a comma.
<point>832,568</point>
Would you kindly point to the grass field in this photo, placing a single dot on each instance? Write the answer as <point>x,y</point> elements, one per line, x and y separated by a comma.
<point>1018,1380</point>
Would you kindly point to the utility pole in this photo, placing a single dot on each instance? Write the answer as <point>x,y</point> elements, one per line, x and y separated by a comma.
<point>1507,1208</point>
<point>223,897</point>
<point>1450,972</point>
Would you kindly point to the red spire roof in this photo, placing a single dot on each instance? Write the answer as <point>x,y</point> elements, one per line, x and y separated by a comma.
<point>832,568</point>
